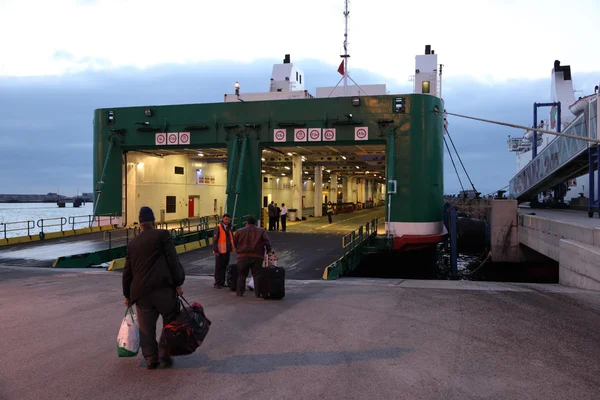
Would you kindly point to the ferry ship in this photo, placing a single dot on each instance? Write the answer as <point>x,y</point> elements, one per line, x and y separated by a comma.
<point>562,177</point>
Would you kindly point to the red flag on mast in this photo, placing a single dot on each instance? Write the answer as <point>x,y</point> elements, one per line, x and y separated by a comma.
<point>341,68</point>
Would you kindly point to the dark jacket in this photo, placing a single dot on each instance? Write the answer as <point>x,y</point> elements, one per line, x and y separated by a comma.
<point>216,235</point>
<point>272,210</point>
<point>151,264</point>
<point>251,242</point>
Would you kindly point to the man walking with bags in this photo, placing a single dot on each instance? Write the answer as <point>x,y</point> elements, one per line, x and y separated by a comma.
<point>251,242</point>
<point>222,249</point>
<point>152,280</point>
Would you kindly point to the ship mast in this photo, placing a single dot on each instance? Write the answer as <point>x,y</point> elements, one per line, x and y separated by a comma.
<point>345,56</point>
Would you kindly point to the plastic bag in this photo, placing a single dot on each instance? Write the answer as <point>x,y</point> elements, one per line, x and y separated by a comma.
<point>128,339</point>
<point>250,282</point>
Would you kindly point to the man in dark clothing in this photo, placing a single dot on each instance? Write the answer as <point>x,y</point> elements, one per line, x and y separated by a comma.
<point>251,243</point>
<point>222,248</point>
<point>329,211</point>
<point>277,214</point>
<point>152,279</point>
<point>272,213</point>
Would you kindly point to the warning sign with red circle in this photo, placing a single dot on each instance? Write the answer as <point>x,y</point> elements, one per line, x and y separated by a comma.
<point>314,135</point>
<point>160,139</point>
<point>184,138</point>
<point>172,138</point>
<point>300,135</point>
<point>279,135</point>
<point>361,133</point>
<point>329,135</point>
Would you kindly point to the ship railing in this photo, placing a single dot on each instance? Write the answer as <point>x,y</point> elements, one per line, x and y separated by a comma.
<point>17,226</point>
<point>51,223</point>
<point>352,244</point>
<point>89,221</point>
<point>196,228</point>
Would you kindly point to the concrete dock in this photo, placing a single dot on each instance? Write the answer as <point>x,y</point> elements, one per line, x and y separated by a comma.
<point>569,237</point>
<point>345,339</point>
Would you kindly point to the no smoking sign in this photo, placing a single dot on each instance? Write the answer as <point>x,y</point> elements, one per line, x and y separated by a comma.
<point>361,133</point>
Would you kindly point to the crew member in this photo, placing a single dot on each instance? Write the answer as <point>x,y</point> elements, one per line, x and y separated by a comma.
<point>329,211</point>
<point>222,249</point>
<point>283,216</point>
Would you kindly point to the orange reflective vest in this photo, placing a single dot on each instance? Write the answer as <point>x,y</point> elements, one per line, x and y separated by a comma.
<point>222,243</point>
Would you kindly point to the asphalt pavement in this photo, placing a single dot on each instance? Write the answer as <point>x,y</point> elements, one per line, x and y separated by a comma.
<point>344,339</point>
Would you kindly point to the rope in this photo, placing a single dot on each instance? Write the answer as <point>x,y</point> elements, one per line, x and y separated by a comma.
<point>451,159</point>
<point>480,265</point>
<point>586,139</point>
<point>496,191</point>
<point>460,160</point>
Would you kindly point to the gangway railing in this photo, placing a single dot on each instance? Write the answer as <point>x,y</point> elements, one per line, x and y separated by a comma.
<point>562,159</point>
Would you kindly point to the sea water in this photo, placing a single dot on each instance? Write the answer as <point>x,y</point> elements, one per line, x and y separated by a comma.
<point>14,215</point>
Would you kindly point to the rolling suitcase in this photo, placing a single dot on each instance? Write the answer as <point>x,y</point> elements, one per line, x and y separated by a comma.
<point>272,279</point>
<point>231,276</point>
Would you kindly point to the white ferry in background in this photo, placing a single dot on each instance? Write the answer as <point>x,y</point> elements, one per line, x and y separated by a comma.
<point>573,191</point>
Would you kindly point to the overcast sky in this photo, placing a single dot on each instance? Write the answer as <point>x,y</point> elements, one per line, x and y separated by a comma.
<point>67,57</point>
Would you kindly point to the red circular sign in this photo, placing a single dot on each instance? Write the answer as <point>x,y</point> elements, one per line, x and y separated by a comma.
<point>184,137</point>
<point>300,135</point>
<point>172,138</point>
<point>314,134</point>
<point>279,135</point>
<point>160,139</point>
<point>328,134</point>
<point>361,133</point>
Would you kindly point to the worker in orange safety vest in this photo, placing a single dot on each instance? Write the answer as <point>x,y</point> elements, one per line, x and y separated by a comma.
<point>222,249</point>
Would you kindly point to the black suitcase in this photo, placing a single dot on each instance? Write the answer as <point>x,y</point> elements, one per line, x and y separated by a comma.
<point>231,276</point>
<point>272,282</point>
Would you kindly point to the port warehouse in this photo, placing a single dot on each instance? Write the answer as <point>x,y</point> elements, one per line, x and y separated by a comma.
<point>218,151</point>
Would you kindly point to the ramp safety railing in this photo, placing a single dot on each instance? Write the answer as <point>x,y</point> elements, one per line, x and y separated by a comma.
<point>353,244</point>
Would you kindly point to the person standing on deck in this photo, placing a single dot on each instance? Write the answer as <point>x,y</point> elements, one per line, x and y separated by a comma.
<point>329,211</point>
<point>277,214</point>
<point>283,216</point>
<point>222,249</point>
<point>272,212</point>
<point>151,280</point>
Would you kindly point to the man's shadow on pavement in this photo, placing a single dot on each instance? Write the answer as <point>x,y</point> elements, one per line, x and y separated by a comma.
<point>261,363</point>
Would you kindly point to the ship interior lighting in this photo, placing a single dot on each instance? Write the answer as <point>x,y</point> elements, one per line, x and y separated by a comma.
<point>289,154</point>
<point>286,167</point>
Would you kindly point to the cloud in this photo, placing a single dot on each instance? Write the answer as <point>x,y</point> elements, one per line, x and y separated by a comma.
<point>46,122</point>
